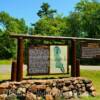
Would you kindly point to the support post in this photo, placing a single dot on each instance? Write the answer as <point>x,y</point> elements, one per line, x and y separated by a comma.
<point>73,58</point>
<point>13,71</point>
<point>77,68</point>
<point>20,59</point>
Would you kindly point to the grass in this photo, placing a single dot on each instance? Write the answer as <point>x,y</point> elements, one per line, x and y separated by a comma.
<point>93,75</point>
<point>5,62</point>
<point>91,98</point>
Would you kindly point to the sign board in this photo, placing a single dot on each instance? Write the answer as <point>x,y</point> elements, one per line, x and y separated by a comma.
<point>51,59</point>
<point>90,50</point>
<point>38,60</point>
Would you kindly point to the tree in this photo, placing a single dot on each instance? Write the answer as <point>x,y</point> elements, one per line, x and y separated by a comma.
<point>45,11</point>
<point>46,26</point>
<point>8,25</point>
<point>89,13</point>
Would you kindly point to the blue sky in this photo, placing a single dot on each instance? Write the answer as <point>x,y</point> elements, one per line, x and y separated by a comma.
<point>27,9</point>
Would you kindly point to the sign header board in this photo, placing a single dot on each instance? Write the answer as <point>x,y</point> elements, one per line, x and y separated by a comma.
<point>90,50</point>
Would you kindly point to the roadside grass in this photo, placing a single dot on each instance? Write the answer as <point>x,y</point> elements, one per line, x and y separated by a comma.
<point>93,75</point>
<point>5,62</point>
<point>90,98</point>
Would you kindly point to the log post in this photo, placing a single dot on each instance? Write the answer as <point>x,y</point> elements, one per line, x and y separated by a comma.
<point>73,58</point>
<point>77,68</point>
<point>13,71</point>
<point>20,59</point>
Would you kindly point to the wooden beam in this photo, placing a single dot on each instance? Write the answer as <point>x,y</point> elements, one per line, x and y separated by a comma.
<point>51,37</point>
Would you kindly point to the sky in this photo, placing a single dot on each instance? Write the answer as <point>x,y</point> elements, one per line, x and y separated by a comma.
<point>28,9</point>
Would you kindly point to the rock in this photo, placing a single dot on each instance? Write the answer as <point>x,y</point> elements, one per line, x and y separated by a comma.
<point>71,87</point>
<point>83,85</point>
<point>39,98</point>
<point>60,85</point>
<point>48,89</point>
<point>67,83</point>
<point>83,89</point>
<point>37,83</point>
<point>30,96</point>
<point>27,85</point>
<point>2,90</point>
<point>11,97</point>
<point>66,95</point>
<point>93,93</point>
<point>92,88</point>
<point>85,94</point>
<point>79,85</point>
<point>54,84</point>
<point>70,94</point>
<point>41,87</point>
<point>75,82</point>
<point>88,85</point>
<point>65,89</point>
<point>75,94</point>
<point>3,96</point>
<point>4,85</point>
<point>55,92</point>
<point>48,97</point>
<point>86,81</point>
<point>33,88</point>
<point>21,90</point>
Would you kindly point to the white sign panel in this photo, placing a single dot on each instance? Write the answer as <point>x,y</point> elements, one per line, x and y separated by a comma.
<point>58,59</point>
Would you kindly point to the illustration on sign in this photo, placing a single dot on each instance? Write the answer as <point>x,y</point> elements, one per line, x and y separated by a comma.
<point>58,59</point>
<point>58,63</point>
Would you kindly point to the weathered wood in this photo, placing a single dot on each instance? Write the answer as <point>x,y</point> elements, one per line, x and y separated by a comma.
<point>73,53</point>
<point>77,68</point>
<point>20,59</point>
<point>51,37</point>
<point>13,71</point>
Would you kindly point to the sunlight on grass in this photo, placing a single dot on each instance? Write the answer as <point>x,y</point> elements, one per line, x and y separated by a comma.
<point>94,76</point>
<point>5,61</point>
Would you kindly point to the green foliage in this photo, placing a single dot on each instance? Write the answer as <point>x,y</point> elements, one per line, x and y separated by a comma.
<point>89,13</point>
<point>45,11</point>
<point>46,26</point>
<point>9,25</point>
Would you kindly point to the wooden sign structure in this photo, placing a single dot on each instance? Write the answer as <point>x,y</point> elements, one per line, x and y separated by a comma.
<point>75,69</point>
<point>47,59</point>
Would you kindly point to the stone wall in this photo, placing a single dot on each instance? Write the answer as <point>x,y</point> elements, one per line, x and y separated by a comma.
<point>51,89</point>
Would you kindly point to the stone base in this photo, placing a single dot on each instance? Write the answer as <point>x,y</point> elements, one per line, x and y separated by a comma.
<point>51,89</point>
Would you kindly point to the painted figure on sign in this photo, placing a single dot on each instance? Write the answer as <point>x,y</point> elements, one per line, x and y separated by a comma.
<point>57,52</point>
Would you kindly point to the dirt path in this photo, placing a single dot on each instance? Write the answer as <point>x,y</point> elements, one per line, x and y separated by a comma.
<point>7,68</point>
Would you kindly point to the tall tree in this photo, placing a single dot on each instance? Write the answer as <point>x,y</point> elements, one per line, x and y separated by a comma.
<point>45,11</point>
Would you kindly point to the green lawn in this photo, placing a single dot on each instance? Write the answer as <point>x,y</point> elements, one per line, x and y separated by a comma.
<point>5,61</point>
<point>94,76</point>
